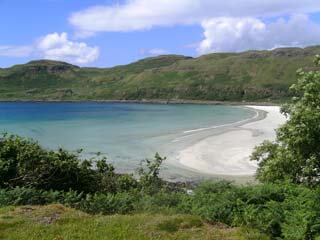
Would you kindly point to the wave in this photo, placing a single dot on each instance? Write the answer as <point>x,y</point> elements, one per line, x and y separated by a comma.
<point>216,126</point>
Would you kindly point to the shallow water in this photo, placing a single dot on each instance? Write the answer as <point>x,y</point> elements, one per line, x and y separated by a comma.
<point>124,132</point>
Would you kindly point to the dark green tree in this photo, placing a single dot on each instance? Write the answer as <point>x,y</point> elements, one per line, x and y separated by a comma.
<point>295,155</point>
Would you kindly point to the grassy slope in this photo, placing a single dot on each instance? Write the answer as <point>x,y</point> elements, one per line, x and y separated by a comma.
<point>250,76</point>
<point>56,222</point>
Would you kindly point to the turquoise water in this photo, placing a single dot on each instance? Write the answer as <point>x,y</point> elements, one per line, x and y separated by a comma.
<point>124,132</point>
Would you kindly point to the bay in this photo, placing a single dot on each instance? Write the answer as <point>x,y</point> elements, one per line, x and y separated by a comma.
<point>124,132</point>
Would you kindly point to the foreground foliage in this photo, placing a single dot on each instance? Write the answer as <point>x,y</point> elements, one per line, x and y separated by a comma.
<point>295,155</point>
<point>31,175</point>
<point>284,211</point>
<point>23,162</point>
<point>61,223</point>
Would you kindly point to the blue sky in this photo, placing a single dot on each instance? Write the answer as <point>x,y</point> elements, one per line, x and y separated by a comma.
<point>105,33</point>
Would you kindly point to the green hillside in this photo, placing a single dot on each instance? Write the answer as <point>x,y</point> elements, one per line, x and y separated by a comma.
<point>247,76</point>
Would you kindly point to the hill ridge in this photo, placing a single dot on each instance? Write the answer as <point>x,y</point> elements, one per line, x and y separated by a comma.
<point>247,76</point>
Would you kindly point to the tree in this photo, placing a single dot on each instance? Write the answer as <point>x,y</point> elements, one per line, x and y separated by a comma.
<point>295,155</point>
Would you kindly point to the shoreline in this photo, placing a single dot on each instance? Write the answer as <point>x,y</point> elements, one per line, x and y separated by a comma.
<point>150,101</point>
<point>198,157</point>
<point>227,153</point>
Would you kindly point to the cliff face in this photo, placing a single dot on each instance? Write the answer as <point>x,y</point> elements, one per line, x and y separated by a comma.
<point>247,76</point>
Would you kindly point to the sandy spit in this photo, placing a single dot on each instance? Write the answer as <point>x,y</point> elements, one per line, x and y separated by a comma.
<point>228,153</point>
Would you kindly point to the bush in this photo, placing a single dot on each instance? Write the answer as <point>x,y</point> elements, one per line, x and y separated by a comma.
<point>215,206</point>
<point>302,214</point>
<point>31,175</point>
<point>24,163</point>
<point>148,172</point>
<point>27,196</point>
<point>285,211</point>
<point>162,201</point>
<point>260,207</point>
<point>120,203</point>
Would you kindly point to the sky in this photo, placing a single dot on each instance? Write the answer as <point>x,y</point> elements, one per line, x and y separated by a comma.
<point>105,33</point>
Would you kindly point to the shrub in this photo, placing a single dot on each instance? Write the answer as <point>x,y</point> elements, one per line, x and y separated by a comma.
<point>23,163</point>
<point>120,203</point>
<point>161,201</point>
<point>302,214</point>
<point>215,201</point>
<point>28,196</point>
<point>149,179</point>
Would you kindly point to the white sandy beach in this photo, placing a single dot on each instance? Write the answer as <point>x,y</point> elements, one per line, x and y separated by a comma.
<point>228,153</point>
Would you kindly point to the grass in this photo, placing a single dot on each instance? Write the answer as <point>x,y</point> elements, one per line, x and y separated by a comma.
<point>56,222</point>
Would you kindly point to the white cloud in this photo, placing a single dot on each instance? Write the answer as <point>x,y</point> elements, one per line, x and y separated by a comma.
<point>15,51</point>
<point>239,34</point>
<point>153,52</point>
<point>135,15</point>
<point>57,47</point>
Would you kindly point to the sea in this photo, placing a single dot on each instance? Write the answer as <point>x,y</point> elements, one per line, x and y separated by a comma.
<point>126,133</point>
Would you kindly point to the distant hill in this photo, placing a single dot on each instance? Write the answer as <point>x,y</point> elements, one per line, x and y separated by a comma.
<point>247,76</point>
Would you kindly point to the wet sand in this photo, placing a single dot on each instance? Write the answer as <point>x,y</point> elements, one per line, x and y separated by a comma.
<point>228,153</point>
